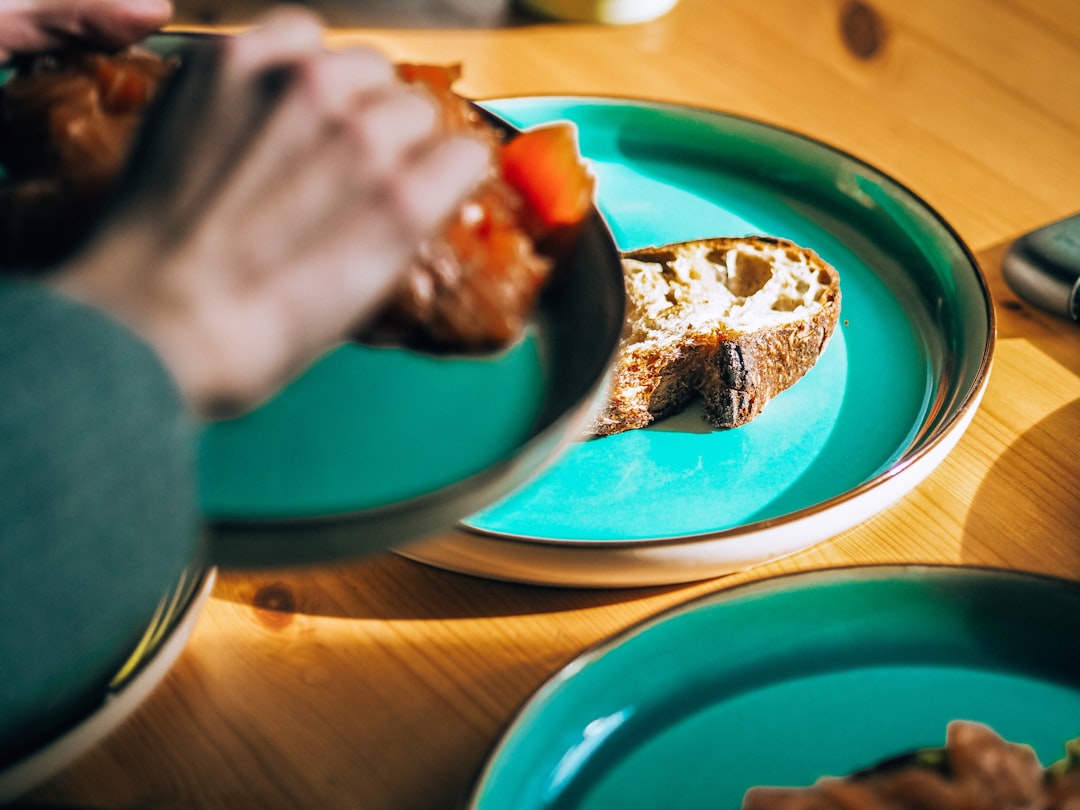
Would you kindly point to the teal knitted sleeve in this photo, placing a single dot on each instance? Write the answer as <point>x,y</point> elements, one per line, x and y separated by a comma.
<point>98,510</point>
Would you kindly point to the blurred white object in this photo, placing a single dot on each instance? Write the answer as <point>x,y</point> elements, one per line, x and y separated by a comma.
<point>602,11</point>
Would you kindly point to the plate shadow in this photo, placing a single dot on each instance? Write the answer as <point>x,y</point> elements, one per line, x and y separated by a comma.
<point>1012,519</point>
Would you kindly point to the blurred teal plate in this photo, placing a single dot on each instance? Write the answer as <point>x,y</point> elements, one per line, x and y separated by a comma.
<point>373,447</point>
<point>786,680</point>
<point>895,389</point>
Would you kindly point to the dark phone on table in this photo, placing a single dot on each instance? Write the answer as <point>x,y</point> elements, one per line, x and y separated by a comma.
<point>1043,267</point>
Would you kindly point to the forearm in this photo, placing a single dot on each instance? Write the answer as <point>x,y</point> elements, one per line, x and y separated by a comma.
<point>99,508</point>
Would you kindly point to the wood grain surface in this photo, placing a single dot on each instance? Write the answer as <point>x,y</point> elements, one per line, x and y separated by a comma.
<point>383,684</point>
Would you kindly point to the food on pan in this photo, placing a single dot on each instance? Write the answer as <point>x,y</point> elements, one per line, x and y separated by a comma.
<point>734,321</point>
<point>474,286</point>
<point>68,120</point>
<point>976,770</point>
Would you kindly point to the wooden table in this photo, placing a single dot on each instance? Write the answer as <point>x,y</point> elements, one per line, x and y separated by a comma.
<point>384,683</point>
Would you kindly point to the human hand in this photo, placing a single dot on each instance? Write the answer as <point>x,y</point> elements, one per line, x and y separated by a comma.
<point>43,24</point>
<point>271,203</point>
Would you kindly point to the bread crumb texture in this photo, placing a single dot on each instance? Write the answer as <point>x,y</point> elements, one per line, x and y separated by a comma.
<point>732,320</point>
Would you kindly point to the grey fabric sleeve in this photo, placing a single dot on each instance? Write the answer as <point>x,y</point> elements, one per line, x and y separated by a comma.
<point>98,503</point>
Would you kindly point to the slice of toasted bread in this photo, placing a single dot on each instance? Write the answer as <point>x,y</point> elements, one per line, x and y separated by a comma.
<point>734,320</point>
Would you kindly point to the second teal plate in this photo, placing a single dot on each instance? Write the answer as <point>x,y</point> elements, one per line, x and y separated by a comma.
<point>784,681</point>
<point>891,395</point>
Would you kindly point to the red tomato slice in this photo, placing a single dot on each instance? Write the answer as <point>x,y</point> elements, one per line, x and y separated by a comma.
<point>544,166</point>
<point>438,77</point>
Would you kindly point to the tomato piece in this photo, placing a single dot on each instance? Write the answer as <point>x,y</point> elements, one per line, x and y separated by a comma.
<point>543,165</point>
<point>123,88</point>
<point>438,77</point>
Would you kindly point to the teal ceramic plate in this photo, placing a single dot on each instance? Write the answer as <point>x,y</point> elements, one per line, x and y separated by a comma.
<point>786,680</point>
<point>374,447</point>
<point>894,390</point>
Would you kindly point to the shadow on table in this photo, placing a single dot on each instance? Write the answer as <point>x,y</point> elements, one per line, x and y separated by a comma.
<point>1011,519</point>
<point>1007,517</point>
